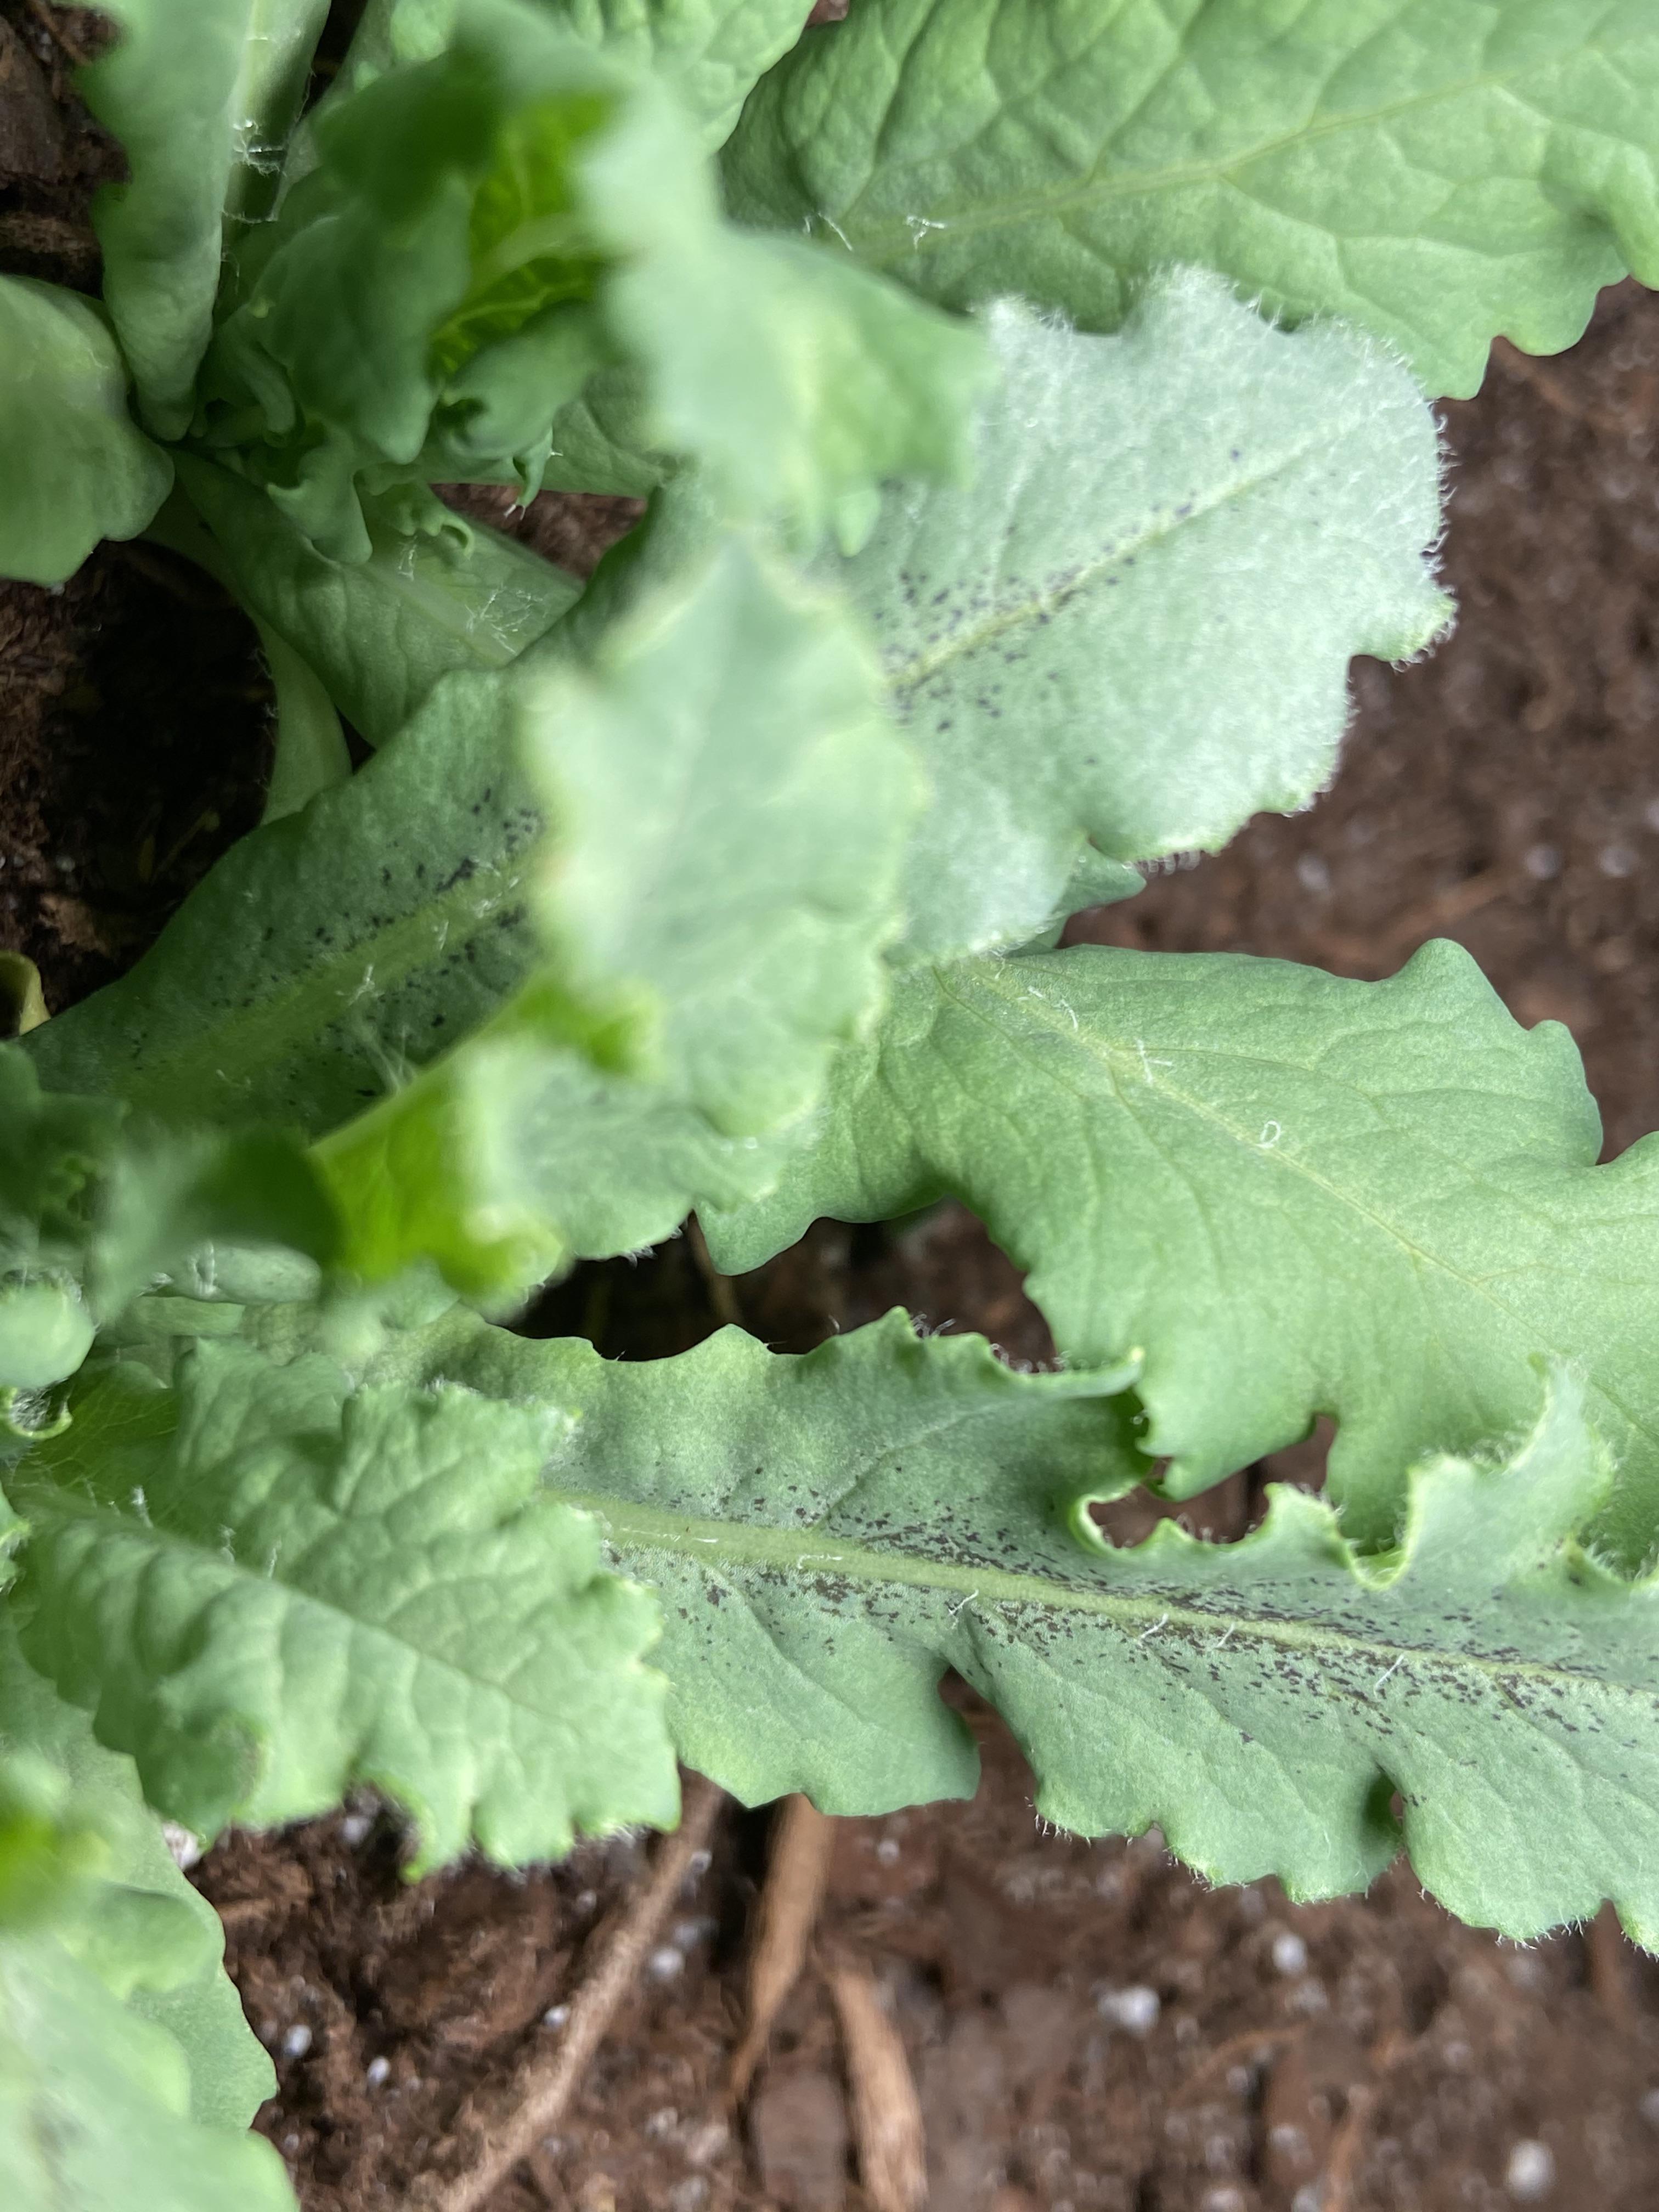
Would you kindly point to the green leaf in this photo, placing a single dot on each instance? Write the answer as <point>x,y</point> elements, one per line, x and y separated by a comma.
<point>704,1443</point>
<point>22,1001</point>
<point>93,2105</point>
<point>311,754</point>
<point>74,467</point>
<point>487,228</point>
<point>328,955</point>
<point>733,807</point>
<point>1131,630</point>
<point>271,1586</point>
<point>251,1011</point>
<point>828,1533</point>
<point>1282,1194</point>
<point>710,52</point>
<point>596,442</point>
<point>443,214</point>
<point>52,1152</point>
<point>181,1985</point>
<point>797,379</point>
<point>93,1208</point>
<point>278,48</point>
<point>436,592</point>
<point>201,98</point>
<point>1436,171</point>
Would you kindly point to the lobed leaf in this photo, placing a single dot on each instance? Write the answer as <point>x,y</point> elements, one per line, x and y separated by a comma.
<point>1281,1193</point>
<point>268,1586</point>
<point>75,468</point>
<point>828,1533</point>
<point>1436,171</point>
<point>1131,629</point>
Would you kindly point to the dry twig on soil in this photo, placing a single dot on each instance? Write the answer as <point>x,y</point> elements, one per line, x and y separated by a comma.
<point>493,2130</point>
<point>887,2123</point>
<point>801,1841</point>
<point>1339,2167</point>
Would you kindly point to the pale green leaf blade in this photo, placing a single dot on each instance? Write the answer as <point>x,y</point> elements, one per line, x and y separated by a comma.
<point>93,2105</point>
<point>1131,629</point>
<point>733,806</point>
<point>710,52</point>
<point>436,594</point>
<point>761,1698</point>
<point>1436,171</point>
<point>830,1533</point>
<point>73,466</point>
<point>192,1997</point>
<point>201,98</point>
<point>735,803</point>
<point>310,753</point>
<point>1282,1193</point>
<point>92,1208</point>
<point>796,378</point>
<point>329,956</point>
<point>269,1586</point>
<point>487,228</point>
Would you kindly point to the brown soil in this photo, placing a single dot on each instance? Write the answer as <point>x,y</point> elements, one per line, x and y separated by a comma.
<point>1505,792</point>
<point>1087,2026</point>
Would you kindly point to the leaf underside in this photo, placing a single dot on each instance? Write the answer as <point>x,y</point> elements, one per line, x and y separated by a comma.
<point>1131,629</point>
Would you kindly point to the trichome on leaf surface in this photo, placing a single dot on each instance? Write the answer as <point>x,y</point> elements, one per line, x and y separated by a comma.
<point>1034,409</point>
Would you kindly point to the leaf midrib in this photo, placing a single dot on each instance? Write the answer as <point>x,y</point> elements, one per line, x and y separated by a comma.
<point>247,1042</point>
<point>903,679</point>
<point>885,240</point>
<point>807,1552</point>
